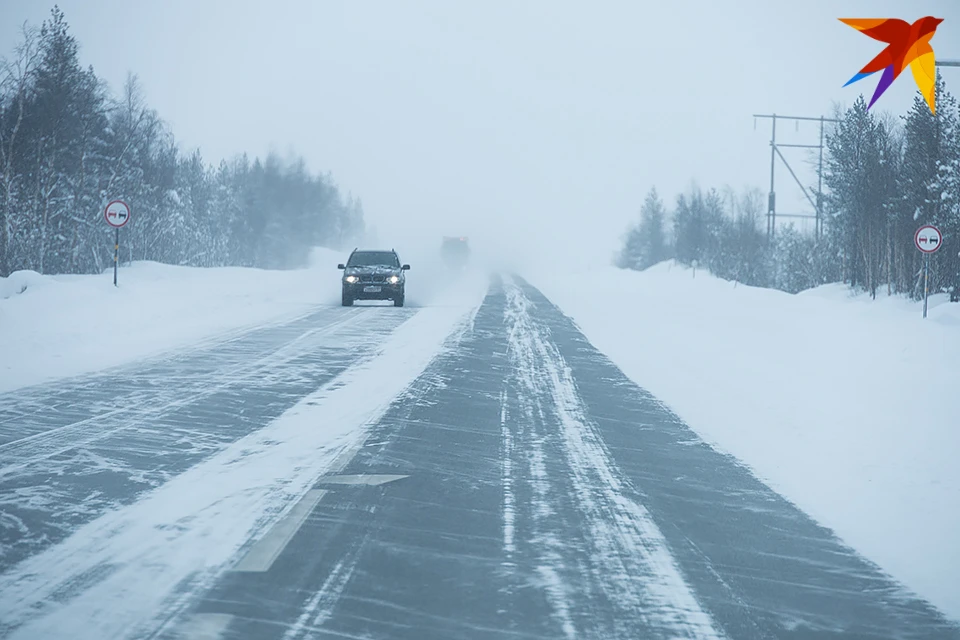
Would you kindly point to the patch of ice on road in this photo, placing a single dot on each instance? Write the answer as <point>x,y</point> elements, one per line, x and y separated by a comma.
<point>182,535</point>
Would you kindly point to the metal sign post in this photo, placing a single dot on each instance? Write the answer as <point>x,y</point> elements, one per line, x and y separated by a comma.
<point>116,214</point>
<point>116,255</point>
<point>928,239</point>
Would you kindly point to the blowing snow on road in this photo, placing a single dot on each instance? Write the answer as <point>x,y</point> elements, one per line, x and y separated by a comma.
<point>446,320</point>
<point>472,467</point>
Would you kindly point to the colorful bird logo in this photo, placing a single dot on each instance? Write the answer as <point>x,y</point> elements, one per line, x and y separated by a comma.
<point>907,44</point>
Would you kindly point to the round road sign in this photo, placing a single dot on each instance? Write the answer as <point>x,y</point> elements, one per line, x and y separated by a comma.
<point>117,213</point>
<point>928,238</point>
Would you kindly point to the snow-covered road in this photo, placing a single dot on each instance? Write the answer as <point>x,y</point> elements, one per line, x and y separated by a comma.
<point>72,450</point>
<point>474,468</point>
<point>556,449</point>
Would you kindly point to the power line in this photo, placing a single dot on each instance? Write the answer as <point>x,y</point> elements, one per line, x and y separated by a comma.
<point>774,152</point>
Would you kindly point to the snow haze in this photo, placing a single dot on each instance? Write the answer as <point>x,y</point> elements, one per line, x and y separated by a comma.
<point>534,127</point>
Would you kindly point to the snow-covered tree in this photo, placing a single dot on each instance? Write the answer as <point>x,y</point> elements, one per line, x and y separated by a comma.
<point>646,244</point>
<point>928,179</point>
<point>795,269</point>
<point>16,83</point>
<point>744,245</point>
<point>861,171</point>
<point>689,230</point>
<point>67,148</point>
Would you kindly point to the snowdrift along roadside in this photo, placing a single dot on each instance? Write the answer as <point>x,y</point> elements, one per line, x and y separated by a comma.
<point>58,326</point>
<point>846,406</point>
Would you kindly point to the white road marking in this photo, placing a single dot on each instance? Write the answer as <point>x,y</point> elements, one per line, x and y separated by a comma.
<point>371,480</point>
<point>344,456</point>
<point>265,552</point>
<point>204,626</point>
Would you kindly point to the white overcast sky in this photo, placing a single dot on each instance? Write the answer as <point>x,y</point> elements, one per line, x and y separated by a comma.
<point>527,124</point>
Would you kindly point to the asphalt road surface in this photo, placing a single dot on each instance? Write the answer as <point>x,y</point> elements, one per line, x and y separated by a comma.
<point>522,487</point>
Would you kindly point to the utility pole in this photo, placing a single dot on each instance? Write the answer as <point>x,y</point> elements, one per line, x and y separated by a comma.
<point>772,198</point>
<point>818,227</point>
<point>774,152</point>
<point>775,147</point>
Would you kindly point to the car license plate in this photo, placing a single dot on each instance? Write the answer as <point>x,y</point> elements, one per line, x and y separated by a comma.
<point>371,289</point>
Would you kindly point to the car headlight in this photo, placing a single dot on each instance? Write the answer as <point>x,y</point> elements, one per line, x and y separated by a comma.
<point>351,279</point>
<point>393,279</point>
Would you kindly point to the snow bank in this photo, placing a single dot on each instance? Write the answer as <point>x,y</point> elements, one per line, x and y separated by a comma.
<point>18,282</point>
<point>845,405</point>
<point>56,326</point>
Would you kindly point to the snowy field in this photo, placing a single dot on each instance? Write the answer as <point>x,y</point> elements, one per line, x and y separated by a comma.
<point>844,405</point>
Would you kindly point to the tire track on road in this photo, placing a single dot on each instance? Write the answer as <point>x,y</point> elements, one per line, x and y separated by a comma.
<point>629,561</point>
<point>759,566</point>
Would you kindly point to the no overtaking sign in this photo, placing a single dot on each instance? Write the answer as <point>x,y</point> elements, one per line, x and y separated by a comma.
<point>117,213</point>
<point>928,238</point>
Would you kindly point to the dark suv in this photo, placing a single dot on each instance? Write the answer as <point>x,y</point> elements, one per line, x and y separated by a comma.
<point>373,275</point>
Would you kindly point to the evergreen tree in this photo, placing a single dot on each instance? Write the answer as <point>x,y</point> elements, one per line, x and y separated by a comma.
<point>795,269</point>
<point>631,252</point>
<point>927,183</point>
<point>688,230</point>
<point>67,148</point>
<point>645,244</point>
<point>713,222</point>
<point>744,245</point>
<point>63,127</point>
<point>652,227</point>
<point>861,174</point>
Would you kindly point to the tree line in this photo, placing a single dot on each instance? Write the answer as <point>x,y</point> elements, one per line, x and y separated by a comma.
<point>884,177</point>
<point>68,147</point>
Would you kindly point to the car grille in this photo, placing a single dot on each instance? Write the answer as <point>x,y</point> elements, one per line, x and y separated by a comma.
<point>373,278</point>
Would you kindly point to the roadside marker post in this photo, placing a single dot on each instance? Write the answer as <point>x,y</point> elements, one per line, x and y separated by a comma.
<point>928,240</point>
<point>116,214</point>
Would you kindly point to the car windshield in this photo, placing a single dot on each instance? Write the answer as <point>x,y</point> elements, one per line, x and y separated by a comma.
<point>373,259</point>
